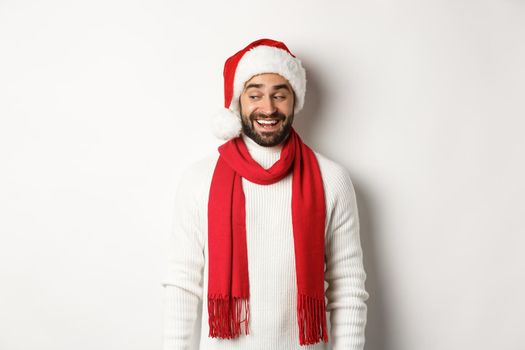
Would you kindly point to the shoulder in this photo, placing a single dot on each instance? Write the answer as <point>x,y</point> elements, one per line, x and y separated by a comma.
<point>198,169</point>
<point>332,172</point>
<point>196,177</point>
<point>337,182</point>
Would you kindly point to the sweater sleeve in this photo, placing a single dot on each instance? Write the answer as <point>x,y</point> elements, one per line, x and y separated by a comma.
<point>345,274</point>
<point>184,276</point>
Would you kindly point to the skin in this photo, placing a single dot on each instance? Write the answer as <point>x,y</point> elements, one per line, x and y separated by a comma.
<point>267,96</point>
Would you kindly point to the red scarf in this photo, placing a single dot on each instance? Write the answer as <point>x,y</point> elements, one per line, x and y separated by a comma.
<point>228,286</point>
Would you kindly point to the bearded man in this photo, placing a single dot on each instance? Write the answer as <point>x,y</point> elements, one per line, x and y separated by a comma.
<point>262,224</point>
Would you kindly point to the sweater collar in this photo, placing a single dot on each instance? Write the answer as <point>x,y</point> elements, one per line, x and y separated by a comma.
<point>265,156</point>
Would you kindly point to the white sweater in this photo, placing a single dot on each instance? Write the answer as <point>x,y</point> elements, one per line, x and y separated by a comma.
<point>271,262</point>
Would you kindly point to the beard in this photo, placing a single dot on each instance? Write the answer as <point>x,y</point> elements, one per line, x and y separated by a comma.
<point>267,138</point>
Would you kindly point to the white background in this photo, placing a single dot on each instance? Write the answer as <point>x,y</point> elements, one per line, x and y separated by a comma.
<point>104,103</point>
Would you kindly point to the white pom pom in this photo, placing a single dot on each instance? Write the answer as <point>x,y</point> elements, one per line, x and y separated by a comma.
<point>226,124</point>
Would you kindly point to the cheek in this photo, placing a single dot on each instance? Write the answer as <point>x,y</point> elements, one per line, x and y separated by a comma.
<point>247,109</point>
<point>287,108</point>
<point>245,105</point>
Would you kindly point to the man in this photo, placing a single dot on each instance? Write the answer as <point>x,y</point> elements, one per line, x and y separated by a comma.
<point>261,225</point>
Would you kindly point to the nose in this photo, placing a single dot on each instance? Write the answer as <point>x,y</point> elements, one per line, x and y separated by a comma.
<point>268,106</point>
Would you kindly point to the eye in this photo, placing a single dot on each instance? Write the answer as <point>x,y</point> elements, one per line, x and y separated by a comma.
<point>279,97</point>
<point>253,97</point>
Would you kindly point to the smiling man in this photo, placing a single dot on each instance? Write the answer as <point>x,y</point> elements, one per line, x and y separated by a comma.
<point>266,232</point>
<point>266,109</point>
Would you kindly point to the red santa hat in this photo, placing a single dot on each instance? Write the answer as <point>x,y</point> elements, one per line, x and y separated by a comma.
<point>261,56</point>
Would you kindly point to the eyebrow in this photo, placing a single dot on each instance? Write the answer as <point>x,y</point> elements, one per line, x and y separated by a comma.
<point>275,87</point>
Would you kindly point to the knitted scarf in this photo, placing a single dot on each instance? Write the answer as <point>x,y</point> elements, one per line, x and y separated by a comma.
<point>228,283</point>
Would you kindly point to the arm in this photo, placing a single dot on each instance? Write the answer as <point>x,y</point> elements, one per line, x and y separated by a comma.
<point>345,273</point>
<point>183,281</point>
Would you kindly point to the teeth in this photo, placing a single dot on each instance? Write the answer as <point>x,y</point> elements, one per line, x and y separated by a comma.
<point>267,122</point>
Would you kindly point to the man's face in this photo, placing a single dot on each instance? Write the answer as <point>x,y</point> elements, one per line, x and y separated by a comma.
<point>266,108</point>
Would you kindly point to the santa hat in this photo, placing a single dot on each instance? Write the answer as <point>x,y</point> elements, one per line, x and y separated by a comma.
<point>261,56</point>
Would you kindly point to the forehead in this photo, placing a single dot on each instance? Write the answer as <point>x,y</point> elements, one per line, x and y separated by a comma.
<point>268,80</point>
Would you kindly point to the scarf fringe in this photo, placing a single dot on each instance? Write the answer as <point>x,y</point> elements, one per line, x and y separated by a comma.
<point>228,317</point>
<point>311,315</point>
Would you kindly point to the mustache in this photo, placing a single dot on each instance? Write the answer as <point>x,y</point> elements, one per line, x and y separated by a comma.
<point>275,115</point>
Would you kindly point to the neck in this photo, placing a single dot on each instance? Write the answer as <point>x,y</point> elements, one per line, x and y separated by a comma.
<point>265,156</point>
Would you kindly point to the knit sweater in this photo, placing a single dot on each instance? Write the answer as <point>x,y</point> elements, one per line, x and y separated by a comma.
<point>271,261</point>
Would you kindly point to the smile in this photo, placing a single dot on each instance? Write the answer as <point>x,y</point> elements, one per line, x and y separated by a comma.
<point>267,122</point>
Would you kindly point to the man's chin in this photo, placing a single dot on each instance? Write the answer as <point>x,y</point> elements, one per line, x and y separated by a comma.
<point>267,138</point>
<point>262,138</point>
<point>268,141</point>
